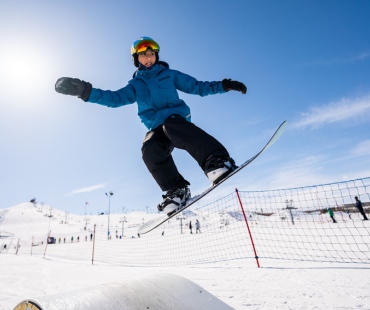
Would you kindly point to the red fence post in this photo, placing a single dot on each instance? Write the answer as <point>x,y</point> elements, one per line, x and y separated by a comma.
<point>249,231</point>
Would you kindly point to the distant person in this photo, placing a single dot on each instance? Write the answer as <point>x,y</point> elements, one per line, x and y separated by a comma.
<point>72,239</point>
<point>162,233</point>
<point>154,87</point>
<point>191,227</point>
<point>197,226</point>
<point>91,235</point>
<point>360,208</point>
<point>331,214</point>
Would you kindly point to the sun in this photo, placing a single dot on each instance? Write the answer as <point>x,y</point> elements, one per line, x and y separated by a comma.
<point>24,64</point>
<point>24,67</point>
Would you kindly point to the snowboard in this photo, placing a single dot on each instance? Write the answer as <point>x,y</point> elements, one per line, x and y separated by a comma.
<point>150,225</point>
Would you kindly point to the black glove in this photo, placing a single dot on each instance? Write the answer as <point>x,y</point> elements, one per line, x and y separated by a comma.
<point>73,87</point>
<point>229,84</point>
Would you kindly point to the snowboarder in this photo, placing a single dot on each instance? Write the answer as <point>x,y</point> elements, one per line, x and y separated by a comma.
<point>154,87</point>
<point>360,208</point>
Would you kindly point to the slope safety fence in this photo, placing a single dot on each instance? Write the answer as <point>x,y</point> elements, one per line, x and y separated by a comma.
<point>314,223</point>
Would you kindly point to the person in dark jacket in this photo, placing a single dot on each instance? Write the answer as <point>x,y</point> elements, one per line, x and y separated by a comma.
<point>360,208</point>
<point>154,87</point>
<point>191,227</point>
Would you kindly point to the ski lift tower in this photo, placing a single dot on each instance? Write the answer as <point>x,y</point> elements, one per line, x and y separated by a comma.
<point>123,221</point>
<point>180,217</point>
<point>289,206</point>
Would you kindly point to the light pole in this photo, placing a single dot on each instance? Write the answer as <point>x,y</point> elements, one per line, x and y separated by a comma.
<point>50,215</point>
<point>109,195</point>
<point>85,207</point>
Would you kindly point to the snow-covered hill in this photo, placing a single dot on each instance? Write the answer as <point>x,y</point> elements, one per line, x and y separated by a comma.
<point>28,220</point>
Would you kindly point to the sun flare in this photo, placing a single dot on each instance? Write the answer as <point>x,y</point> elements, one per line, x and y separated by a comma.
<point>25,68</point>
<point>21,65</point>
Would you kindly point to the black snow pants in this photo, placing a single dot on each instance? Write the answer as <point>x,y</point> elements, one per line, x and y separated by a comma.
<point>361,210</point>
<point>176,132</point>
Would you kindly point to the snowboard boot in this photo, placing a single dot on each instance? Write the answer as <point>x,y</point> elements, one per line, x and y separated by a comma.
<point>218,166</point>
<point>174,199</point>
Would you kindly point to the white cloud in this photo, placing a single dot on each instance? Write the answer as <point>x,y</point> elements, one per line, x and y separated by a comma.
<point>360,57</point>
<point>86,189</point>
<point>345,110</point>
<point>339,61</point>
<point>362,148</point>
<point>303,172</point>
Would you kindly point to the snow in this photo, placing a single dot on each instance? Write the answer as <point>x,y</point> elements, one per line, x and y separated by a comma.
<point>278,284</point>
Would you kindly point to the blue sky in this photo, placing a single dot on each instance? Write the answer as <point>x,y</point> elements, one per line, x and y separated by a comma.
<point>307,62</point>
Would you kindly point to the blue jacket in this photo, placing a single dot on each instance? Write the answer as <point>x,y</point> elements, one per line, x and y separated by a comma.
<point>155,92</point>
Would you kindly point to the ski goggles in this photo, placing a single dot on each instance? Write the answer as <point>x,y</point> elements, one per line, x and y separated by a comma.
<point>141,46</point>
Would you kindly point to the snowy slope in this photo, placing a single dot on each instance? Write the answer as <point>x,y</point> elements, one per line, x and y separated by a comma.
<point>27,220</point>
<point>278,284</point>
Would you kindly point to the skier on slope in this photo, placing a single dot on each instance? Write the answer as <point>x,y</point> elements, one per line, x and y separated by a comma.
<point>154,87</point>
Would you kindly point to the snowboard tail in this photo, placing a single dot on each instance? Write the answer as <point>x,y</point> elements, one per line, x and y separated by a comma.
<point>150,225</point>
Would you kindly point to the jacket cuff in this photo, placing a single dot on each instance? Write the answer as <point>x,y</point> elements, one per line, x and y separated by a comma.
<point>86,95</point>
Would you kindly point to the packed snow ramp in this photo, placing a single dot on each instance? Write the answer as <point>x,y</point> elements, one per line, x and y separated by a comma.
<point>162,291</point>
